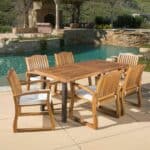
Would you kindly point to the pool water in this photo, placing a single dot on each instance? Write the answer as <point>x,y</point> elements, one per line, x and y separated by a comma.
<point>81,53</point>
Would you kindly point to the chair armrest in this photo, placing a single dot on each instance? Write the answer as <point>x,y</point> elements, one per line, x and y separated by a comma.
<point>42,80</point>
<point>53,82</point>
<point>24,82</point>
<point>84,88</point>
<point>34,92</point>
<point>30,73</point>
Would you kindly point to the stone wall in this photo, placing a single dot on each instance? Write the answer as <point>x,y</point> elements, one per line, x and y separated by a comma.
<point>127,38</point>
<point>12,43</point>
<point>21,46</point>
<point>81,36</point>
<point>17,30</point>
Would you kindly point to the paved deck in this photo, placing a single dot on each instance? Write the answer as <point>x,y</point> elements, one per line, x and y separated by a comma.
<point>130,132</point>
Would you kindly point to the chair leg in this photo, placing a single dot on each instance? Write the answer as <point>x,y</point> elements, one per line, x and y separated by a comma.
<point>28,80</point>
<point>90,81</point>
<point>122,101</point>
<point>52,106</point>
<point>139,96</point>
<point>28,86</point>
<point>71,101</point>
<point>55,88</point>
<point>96,79</point>
<point>52,121</point>
<point>94,114</point>
<point>15,123</point>
<point>118,111</point>
<point>15,120</point>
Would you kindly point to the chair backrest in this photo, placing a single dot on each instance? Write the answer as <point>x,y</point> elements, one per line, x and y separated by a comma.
<point>14,82</point>
<point>64,58</point>
<point>128,58</point>
<point>133,77</point>
<point>36,62</point>
<point>108,84</point>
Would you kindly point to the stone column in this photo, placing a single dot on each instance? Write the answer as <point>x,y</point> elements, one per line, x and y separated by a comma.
<point>57,2</point>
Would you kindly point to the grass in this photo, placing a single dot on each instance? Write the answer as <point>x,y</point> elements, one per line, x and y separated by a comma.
<point>146,62</point>
<point>146,45</point>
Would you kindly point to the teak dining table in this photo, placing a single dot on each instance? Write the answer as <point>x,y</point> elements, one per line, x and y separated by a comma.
<point>69,73</point>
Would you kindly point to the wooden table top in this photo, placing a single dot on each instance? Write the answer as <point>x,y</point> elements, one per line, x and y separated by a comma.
<point>76,71</point>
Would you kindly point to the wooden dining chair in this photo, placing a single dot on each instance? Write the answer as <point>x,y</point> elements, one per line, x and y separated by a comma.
<point>107,89</point>
<point>27,99</point>
<point>64,58</point>
<point>132,84</point>
<point>128,58</point>
<point>36,62</point>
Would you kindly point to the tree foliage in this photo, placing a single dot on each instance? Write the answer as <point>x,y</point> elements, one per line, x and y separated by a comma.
<point>7,13</point>
<point>128,21</point>
<point>74,7</point>
<point>75,10</point>
<point>27,4</point>
<point>115,4</point>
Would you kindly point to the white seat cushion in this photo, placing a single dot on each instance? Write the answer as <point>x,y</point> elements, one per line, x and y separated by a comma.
<point>33,99</point>
<point>35,78</point>
<point>51,79</point>
<point>39,78</point>
<point>84,94</point>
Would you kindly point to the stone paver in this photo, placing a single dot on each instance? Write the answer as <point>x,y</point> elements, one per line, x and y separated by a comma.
<point>130,132</point>
<point>133,140</point>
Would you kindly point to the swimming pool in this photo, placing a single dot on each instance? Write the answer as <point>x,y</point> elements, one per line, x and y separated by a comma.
<point>81,53</point>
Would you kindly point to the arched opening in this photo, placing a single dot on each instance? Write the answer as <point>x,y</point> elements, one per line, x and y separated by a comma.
<point>50,18</point>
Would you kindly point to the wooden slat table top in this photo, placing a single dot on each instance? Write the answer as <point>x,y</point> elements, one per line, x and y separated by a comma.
<point>71,72</point>
<point>102,65</point>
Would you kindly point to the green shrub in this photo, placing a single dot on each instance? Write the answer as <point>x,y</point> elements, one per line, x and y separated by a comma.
<point>128,21</point>
<point>7,12</point>
<point>138,21</point>
<point>146,62</point>
<point>99,20</point>
<point>106,26</point>
<point>43,45</point>
<point>145,25</point>
<point>146,45</point>
<point>99,27</point>
<point>4,29</point>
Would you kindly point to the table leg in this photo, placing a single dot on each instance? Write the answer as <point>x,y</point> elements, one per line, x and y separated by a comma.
<point>64,102</point>
<point>42,108</point>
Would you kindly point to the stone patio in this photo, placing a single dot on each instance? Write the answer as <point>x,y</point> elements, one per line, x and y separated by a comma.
<point>130,132</point>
